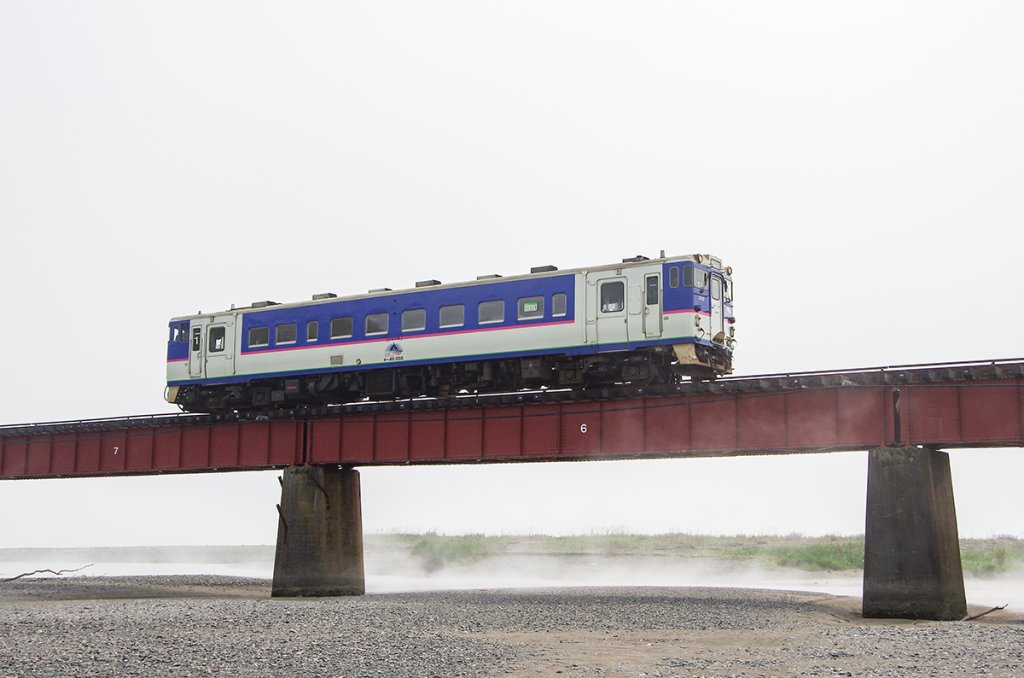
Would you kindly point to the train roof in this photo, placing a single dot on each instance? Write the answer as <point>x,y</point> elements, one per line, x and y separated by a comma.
<point>422,286</point>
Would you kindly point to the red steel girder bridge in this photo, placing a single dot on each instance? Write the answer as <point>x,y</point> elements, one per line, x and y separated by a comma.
<point>949,405</point>
<point>903,415</point>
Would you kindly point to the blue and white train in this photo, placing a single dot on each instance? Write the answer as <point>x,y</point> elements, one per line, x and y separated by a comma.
<point>641,321</point>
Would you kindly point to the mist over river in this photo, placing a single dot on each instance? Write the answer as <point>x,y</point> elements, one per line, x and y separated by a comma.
<point>392,569</point>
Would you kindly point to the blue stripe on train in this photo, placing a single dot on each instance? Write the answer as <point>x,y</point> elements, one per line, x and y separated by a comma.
<point>469,297</point>
<point>573,351</point>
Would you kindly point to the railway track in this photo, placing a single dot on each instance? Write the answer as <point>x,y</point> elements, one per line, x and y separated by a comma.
<point>895,375</point>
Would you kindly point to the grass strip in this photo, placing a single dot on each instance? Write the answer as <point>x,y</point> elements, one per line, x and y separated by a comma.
<point>813,554</point>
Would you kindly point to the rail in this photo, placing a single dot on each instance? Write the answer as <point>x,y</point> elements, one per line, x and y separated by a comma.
<point>924,373</point>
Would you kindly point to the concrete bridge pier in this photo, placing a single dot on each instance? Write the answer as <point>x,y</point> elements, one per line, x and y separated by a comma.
<point>319,533</point>
<point>912,564</point>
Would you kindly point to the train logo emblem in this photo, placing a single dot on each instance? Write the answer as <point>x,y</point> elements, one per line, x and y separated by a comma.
<point>393,352</point>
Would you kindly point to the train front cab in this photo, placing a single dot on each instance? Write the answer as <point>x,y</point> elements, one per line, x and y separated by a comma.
<point>211,350</point>
<point>702,290</point>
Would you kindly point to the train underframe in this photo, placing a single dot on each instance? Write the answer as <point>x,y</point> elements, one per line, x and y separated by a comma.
<point>656,365</point>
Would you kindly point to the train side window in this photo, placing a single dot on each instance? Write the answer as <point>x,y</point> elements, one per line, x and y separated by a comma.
<point>558,304</point>
<point>184,332</point>
<point>285,333</point>
<point>653,293</point>
<point>673,277</point>
<point>377,323</point>
<point>197,339</point>
<point>452,316</point>
<point>695,277</point>
<point>259,336</point>
<point>613,297</point>
<point>216,340</point>
<point>531,308</point>
<point>312,330</point>
<point>491,311</point>
<point>716,288</point>
<point>341,328</point>
<point>414,320</point>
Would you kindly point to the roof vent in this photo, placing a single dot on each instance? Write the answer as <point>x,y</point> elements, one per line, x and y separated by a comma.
<point>324,295</point>
<point>428,283</point>
<point>634,260</point>
<point>263,304</point>
<point>489,276</point>
<point>378,289</point>
<point>543,269</point>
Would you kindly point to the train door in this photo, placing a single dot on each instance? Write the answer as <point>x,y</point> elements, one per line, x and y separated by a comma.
<point>717,312</point>
<point>220,353</point>
<point>608,309</point>
<point>652,306</point>
<point>196,355</point>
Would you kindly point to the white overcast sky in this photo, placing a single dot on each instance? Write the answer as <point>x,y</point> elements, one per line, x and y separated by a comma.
<point>858,164</point>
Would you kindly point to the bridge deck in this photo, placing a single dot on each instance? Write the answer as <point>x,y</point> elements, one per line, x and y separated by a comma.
<point>943,406</point>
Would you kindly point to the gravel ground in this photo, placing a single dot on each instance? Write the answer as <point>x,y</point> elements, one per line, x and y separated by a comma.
<point>200,625</point>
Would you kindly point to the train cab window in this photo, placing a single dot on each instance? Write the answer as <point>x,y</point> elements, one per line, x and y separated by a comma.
<point>312,330</point>
<point>285,333</point>
<point>673,277</point>
<point>558,304</point>
<point>414,320</point>
<point>183,337</point>
<point>216,340</point>
<point>491,311</point>
<point>695,277</point>
<point>452,316</point>
<point>613,297</point>
<point>653,291</point>
<point>716,288</point>
<point>197,339</point>
<point>341,328</point>
<point>377,323</point>
<point>175,334</point>
<point>727,287</point>
<point>259,336</point>
<point>531,308</point>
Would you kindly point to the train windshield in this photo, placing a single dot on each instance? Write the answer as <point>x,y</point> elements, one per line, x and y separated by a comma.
<point>695,277</point>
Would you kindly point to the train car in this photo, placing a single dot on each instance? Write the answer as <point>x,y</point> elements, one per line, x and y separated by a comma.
<point>640,321</point>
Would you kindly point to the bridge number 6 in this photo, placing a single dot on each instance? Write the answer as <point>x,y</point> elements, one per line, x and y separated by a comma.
<point>583,428</point>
